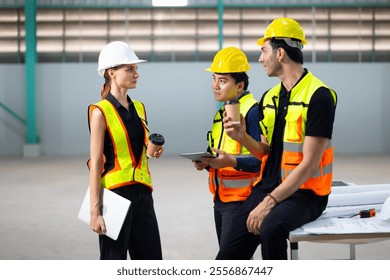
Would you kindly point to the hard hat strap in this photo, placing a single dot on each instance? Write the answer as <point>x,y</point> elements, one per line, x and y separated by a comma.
<point>291,43</point>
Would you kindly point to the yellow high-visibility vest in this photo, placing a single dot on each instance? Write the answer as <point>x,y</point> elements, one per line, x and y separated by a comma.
<point>294,132</point>
<point>232,184</point>
<point>126,169</point>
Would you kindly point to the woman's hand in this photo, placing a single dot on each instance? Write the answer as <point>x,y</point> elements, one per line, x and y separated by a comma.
<point>97,224</point>
<point>158,153</point>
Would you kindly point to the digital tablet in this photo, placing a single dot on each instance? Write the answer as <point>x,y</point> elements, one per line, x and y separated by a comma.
<point>198,155</point>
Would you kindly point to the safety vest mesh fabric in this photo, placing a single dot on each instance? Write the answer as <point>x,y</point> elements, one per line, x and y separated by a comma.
<point>126,170</point>
<point>232,184</point>
<point>294,132</point>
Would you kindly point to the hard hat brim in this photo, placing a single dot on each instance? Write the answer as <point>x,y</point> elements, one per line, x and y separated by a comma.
<point>226,72</point>
<point>261,41</point>
<point>101,71</point>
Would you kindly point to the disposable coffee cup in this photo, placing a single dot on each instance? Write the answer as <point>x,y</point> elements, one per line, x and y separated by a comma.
<point>155,143</point>
<point>232,108</point>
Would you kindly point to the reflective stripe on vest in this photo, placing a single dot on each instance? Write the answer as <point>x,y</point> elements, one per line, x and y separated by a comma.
<point>236,184</point>
<point>126,170</point>
<point>325,169</point>
<point>294,132</point>
<point>232,184</point>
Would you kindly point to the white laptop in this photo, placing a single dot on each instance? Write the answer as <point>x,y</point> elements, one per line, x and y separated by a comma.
<point>114,210</point>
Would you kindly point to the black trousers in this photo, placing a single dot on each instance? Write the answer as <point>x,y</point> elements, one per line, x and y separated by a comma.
<point>223,216</point>
<point>300,208</point>
<point>140,235</point>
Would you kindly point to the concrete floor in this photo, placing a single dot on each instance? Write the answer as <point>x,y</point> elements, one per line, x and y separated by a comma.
<point>40,199</point>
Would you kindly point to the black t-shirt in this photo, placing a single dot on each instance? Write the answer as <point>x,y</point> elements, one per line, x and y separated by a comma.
<point>134,129</point>
<point>319,123</point>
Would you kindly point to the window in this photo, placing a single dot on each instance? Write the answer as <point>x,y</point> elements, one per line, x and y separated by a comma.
<point>352,34</point>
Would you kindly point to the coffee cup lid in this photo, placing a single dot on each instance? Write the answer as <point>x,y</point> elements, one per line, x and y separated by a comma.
<point>234,101</point>
<point>156,139</point>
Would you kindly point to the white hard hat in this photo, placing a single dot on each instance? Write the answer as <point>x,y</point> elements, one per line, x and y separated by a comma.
<point>114,54</point>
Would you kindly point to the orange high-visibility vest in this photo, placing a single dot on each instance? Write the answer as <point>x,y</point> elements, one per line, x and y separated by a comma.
<point>294,132</point>
<point>126,170</point>
<point>232,184</point>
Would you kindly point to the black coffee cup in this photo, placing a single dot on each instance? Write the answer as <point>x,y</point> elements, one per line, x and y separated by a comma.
<point>156,140</point>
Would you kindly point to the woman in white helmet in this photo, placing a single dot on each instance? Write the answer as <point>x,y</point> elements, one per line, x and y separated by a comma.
<point>118,160</point>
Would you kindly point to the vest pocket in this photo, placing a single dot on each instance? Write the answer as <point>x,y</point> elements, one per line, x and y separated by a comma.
<point>293,131</point>
<point>267,124</point>
<point>234,193</point>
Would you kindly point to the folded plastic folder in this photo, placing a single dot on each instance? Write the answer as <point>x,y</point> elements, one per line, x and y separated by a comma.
<point>114,210</point>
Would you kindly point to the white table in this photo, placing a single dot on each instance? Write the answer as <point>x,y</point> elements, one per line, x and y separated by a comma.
<point>352,239</point>
<point>346,201</point>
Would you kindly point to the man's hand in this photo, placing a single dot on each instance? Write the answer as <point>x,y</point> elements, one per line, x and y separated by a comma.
<point>235,131</point>
<point>200,164</point>
<point>223,160</point>
<point>257,215</point>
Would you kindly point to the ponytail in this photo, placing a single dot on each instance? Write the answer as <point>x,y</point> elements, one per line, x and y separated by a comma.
<point>106,87</point>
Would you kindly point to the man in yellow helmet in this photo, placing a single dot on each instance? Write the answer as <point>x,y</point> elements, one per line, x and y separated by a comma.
<point>296,118</point>
<point>234,172</point>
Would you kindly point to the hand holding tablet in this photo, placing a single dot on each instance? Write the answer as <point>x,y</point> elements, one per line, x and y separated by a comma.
<point>198,155</point>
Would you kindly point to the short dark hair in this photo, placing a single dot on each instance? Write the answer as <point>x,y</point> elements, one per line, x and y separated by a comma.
<point>239,77</point>
<point>295,54</point>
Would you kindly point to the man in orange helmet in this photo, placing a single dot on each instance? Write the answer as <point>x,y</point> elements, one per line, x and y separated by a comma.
<point>234,172</point>
<point>296,118</point>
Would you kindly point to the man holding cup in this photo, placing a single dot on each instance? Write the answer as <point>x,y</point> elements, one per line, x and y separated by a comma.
<point>234,172</point>
<point>297,117</point>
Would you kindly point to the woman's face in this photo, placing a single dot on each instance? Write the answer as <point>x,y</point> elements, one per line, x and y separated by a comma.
<point>125,76</point>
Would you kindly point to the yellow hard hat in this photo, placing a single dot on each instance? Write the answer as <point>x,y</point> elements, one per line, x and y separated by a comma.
<point>229,60</point>
<point>283,28</point>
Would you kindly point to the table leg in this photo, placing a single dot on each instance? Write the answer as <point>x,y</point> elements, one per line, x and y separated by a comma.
<point>294,250</point>
<point>352,251</point>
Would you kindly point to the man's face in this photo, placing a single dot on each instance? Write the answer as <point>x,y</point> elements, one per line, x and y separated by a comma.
<point>268,58</point>
<point>225,87</point>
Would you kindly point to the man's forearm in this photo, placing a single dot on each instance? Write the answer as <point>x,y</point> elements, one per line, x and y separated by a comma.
<point>258,149</point>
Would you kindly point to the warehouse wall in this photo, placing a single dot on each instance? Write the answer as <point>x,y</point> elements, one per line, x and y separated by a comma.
<point>180,104</point>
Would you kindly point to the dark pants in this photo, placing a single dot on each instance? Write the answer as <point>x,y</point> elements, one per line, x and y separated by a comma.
<point>300,208</point>
<point>140,234</point>
<point>223,215</point>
